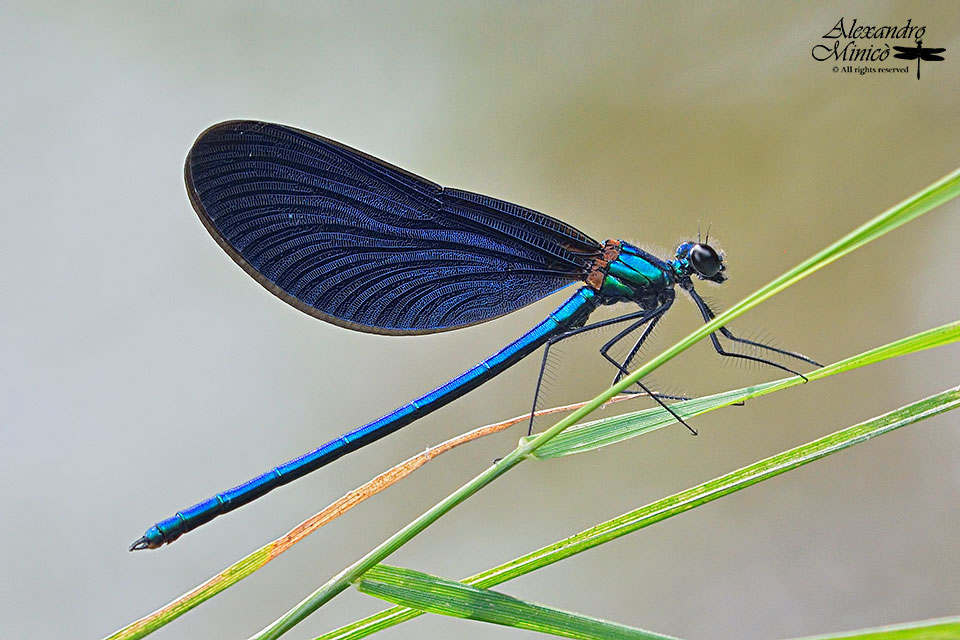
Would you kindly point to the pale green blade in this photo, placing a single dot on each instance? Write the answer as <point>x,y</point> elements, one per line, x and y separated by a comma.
<point>938,629</point>
<point>449,598</point>
<point>601,433</point>
<point>676,504</point>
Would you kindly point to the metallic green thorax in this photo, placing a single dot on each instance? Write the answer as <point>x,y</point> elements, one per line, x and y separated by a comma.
<point>635,274</point>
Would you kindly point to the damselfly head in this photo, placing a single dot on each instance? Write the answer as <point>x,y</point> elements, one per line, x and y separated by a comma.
<point>702,260</point>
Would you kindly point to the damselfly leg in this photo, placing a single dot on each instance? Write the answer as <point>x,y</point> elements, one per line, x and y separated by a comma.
<point>641,318</point>
<point>708,315</point>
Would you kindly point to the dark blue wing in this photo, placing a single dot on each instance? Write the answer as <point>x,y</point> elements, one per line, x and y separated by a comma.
<point>358,242</point>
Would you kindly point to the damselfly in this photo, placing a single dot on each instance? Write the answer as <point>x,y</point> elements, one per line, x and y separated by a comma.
<point>363,244</point>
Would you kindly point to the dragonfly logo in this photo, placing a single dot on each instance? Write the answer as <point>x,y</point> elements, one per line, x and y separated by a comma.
<point>919,53</point>
<point>870,48</point>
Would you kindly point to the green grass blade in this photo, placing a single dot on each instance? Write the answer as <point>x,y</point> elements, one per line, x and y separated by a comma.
<point>944,189</point>
<point>676,504</point>
<point>916,205</point>
<point>446,597</point>
<point>601,433</point>
<point>938,629</point>
<point>582,437</point>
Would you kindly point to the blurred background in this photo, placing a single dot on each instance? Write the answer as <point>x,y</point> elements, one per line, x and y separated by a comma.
<point>144,371</point>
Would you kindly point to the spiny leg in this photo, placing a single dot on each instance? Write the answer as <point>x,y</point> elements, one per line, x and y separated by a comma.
<point>622,367</point>
<point>643,315</point>
<point>675,415</point>
<point>708,315</point>
<point>625,365</point>
<point>729,336</point>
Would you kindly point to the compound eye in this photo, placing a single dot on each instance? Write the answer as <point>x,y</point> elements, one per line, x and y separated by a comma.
<point>705,260</point>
